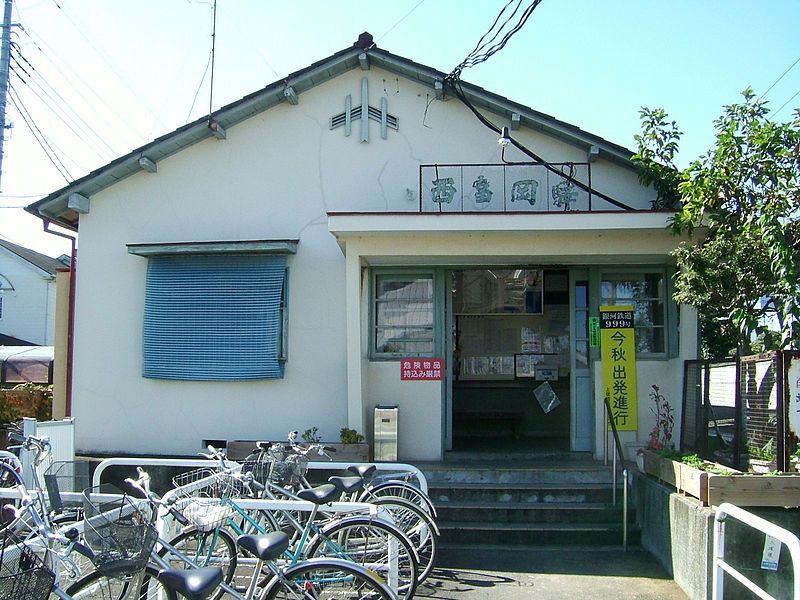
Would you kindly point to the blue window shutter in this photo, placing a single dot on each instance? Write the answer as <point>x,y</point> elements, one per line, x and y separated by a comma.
<point>213,317</point>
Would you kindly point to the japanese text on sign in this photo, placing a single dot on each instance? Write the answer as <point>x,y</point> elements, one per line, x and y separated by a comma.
<point>618,353</point>
<point>421,369</point>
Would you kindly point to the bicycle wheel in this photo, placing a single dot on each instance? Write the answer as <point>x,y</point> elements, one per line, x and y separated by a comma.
<point>400,489</point>
<point>96,586</point>
<point>420,528</point>
<point>215,548</point>
<point>380,547</point>
<point>323,579</point>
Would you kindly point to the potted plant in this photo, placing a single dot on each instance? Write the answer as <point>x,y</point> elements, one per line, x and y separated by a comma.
<point>350,448</point>
<point>661,435</point>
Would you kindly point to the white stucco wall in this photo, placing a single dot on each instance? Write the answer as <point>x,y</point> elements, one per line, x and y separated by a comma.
<point>28,309</point>
<point>276,176</point>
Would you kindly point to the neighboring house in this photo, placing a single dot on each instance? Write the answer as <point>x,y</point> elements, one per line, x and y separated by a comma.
<point>266,270</point>
<point>27,296</point>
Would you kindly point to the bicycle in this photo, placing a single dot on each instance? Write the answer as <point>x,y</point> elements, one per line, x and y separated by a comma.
<point>368,541</point>
<point>282,472</point>
<point>270,578</point>
<point>26,575</point>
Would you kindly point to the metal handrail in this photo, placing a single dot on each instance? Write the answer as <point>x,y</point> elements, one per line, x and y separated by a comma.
<point>194,462</point>
<point>721,567</point>
<point>617,454</point>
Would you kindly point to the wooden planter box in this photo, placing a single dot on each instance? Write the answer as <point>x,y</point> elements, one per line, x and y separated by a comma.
<point>738,488</point>
<point>754,490</point>
<point>686,479</point>
<point>355,453</point>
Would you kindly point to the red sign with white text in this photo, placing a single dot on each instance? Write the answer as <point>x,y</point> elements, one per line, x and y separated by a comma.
<point>421,369</point>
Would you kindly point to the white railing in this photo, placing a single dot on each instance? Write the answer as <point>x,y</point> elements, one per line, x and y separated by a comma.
<point>62,444</point>
<point>721,567</point>
<point>193,462</point>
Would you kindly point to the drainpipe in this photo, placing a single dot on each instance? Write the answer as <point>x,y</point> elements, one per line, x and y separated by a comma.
<point>70,313</point>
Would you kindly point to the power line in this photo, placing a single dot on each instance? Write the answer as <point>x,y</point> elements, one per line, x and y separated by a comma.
<point>57,114</point>
<point>775,112</point>
<point>779,78</point>
<point>59,109</point>
<point>199,87</point>
<point>483,50</point>
<point>105,60</point>
<point>403,18</point>
<point>51,155</point>
<point>481,54</point>
<point>64,67</point>
<point>44,85</point>
<point>22,196</point>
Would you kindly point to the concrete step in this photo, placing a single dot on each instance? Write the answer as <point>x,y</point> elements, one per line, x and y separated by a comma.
<point>562,472</point>
<point>442,493</point>
<point>535,534</point>
<point>531,512</point>
<point>510,475</point>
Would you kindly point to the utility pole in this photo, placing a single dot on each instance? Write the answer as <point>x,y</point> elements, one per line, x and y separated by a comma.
<point>5,53</point>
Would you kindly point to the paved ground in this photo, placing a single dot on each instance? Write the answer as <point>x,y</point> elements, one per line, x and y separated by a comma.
<point>558,574</point>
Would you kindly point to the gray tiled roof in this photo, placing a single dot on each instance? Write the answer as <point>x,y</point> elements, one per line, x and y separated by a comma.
<point>45,263</point>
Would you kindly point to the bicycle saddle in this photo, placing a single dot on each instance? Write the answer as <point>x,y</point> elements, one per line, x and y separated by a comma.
<point>192,584</point>
<point>267,546</point>
<point>347,484</point>
<point>322,494</point>
<point>364,471</point>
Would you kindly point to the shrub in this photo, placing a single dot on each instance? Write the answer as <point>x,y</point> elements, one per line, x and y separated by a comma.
<point>26,400</point>
<point>350,436</point>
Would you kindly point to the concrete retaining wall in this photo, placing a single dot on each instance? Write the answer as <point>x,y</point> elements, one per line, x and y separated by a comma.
<point>679,532</point>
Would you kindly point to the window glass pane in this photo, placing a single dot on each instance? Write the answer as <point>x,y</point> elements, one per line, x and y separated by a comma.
<point>581,324</point>
<point>581,354</point>
<point>488,291</point>
<point>404,314</point>
<point>398,339</point>
<point>631,286</point>
<point>581,294</point>
<point>646,292</point>
<point>648,313</point>
<point>394,288</point>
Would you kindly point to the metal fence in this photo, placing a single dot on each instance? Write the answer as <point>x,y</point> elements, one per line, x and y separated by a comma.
<point>743,412</point>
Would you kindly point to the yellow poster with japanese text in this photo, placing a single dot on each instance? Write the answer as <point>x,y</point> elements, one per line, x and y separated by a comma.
<point>618,355</point>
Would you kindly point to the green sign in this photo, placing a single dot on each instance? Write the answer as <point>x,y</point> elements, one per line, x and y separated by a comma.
<point>594,332</point>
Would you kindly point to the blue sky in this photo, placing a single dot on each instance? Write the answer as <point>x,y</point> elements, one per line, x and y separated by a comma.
<point>101,77</point>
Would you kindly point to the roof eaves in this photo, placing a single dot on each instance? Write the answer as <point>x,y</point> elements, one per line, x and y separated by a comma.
<point>505,107</point>
<point>54,206</point>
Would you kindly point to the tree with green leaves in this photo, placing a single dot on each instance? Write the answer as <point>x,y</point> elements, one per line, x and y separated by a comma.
<point>740,206</point>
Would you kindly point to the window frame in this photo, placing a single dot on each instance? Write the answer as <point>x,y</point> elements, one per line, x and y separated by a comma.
<point>670,318</point>
<point>401,273</point>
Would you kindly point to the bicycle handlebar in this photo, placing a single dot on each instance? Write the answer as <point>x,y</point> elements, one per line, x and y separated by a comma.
<point>142,483</point>
<point>31,443</point>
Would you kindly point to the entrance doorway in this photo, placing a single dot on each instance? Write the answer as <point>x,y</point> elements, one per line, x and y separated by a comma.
<point>511,359</point>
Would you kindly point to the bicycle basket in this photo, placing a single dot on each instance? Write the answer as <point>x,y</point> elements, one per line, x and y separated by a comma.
<point>23,575</point>
<point>119,529</point>
<point>65,480</point>
<point>207,483</point>
<point>259,465</point>
<point>280,472</point>
<point>205,514</point>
